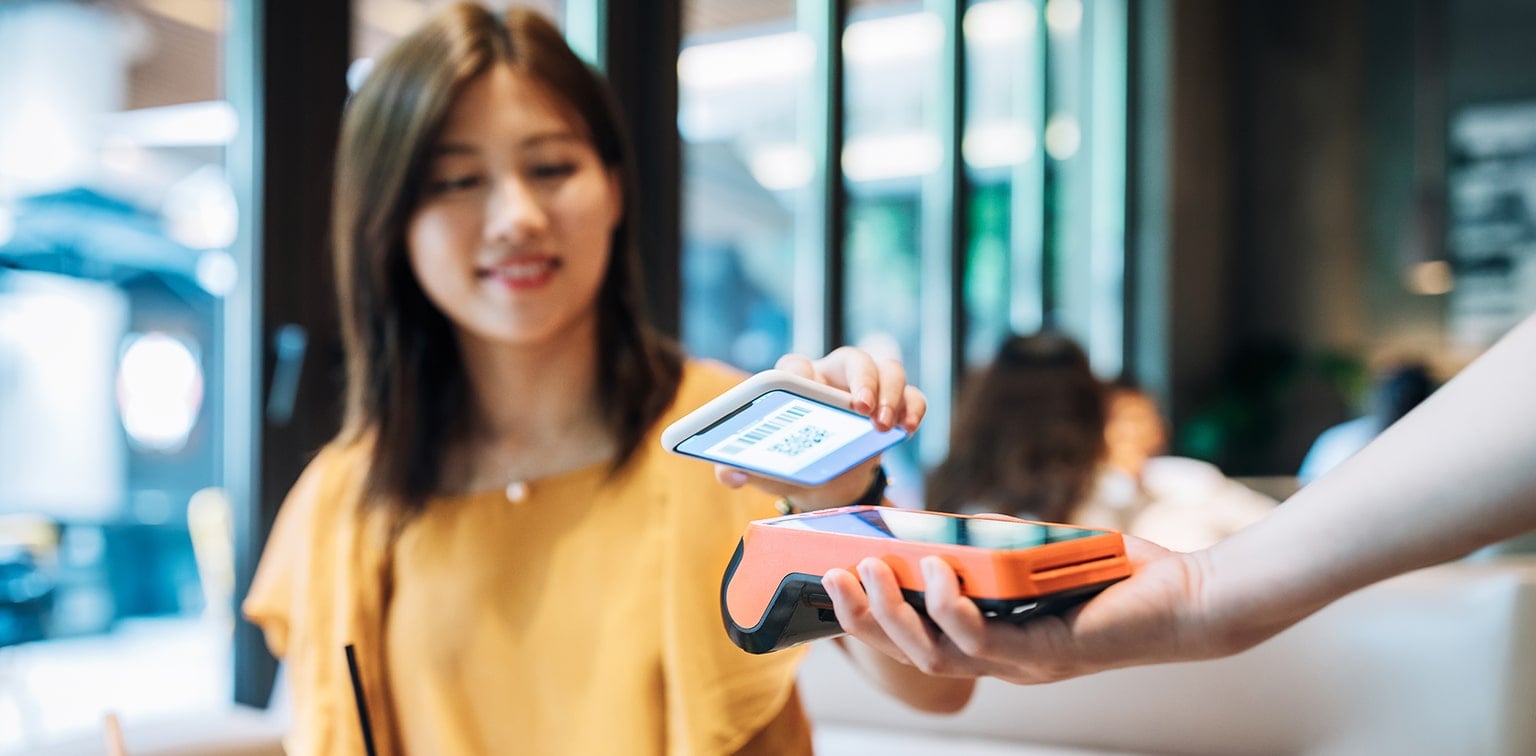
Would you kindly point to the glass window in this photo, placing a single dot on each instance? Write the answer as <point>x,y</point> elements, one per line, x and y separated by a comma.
<point>116,574</point>
<point>893,151</point>
<point>1043,154</point>
<point>744,76</point>
<point>1005,100</point>
<point>891,53</point>
<point>1084,146</point>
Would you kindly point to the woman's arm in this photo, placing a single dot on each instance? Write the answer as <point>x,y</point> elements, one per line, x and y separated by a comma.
<point>880,390</point>
<point>1457,473</point>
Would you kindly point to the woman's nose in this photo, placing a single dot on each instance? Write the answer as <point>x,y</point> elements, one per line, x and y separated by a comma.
<point>515,212</point>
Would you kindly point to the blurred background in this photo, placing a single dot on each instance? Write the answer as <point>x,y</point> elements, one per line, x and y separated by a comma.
<point>1249,208</point>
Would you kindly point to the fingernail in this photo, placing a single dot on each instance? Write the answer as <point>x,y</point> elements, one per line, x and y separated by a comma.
<point>866,400</point>
<point>831,586</point>
<point>736,478</point>
<point>887,416</point>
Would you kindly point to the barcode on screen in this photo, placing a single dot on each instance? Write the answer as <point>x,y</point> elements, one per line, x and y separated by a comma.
<point>765,429</point>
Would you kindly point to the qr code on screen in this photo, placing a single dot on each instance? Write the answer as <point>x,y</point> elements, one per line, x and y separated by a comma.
<point>804,437</point>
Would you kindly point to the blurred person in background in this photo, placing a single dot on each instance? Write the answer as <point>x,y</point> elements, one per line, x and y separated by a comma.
<point>1038,436</point>
<point>1177,502</point>
<point>1028,434</point>
<point>1397,390</point>
<point>519,565</point>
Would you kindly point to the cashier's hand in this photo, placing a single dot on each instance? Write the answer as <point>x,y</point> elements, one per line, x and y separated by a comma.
<point>880,391</point>
<point>1155,615</point>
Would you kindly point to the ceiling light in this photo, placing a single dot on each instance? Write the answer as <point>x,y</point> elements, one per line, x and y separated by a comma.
<point>998,144</point>
<point>876,157</point>
<point>750,60</point>
<point>999,22</point>
<point>1062,136</point>
<point>910,36</point>
<point>782,167</point>
<point>1064,16</point>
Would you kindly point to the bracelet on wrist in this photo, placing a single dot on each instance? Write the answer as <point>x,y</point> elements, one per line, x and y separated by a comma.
<point>873,496</point>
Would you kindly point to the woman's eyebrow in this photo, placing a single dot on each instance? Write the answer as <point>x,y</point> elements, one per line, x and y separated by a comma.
<point>448,149</point>
<point>545,137</point>
<point>444,149</point>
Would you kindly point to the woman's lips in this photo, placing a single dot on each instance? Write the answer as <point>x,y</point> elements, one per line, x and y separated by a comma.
<point>522,273</point>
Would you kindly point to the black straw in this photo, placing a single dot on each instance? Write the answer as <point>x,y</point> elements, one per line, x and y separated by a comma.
<point>362,703</point>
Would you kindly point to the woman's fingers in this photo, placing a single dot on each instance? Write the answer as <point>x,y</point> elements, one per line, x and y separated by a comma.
<point>731,477</point>
<point>735,477</point>
<point>915,408</point>
<point>798,364</point>
<point>878,389</point>
<point>854,371</point>
<point>892,394</point>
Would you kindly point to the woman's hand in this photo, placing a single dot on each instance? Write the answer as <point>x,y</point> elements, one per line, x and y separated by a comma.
<point>880,391</point>
<point>1155,615</point>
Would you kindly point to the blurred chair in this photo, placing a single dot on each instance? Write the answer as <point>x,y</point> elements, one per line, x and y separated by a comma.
<point>28,555</point>
<point>211,524</point>
<point>235,731</point>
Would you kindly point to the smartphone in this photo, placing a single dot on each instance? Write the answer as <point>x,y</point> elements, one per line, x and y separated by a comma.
<point>771,596</point>
<point>779,425</point>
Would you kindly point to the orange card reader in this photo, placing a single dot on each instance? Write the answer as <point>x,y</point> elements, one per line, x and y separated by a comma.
<point>771,596</point>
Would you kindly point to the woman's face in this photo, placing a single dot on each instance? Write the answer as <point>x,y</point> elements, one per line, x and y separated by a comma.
<point>511,237</point>
<point>1133,429</point>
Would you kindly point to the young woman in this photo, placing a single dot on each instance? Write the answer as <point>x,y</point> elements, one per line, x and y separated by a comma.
<point>1028,435</point>
<point>1038,436</point>
<point>1176,502</point>
<point>497,531</point>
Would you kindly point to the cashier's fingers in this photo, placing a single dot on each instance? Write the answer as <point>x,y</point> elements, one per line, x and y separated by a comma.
<point>851,605</point>
<point>956,615</point>
<point>920,642</point>
<point>962,624</point>
<point>1000,649</point>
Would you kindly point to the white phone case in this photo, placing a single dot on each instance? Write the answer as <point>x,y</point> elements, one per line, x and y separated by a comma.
<point>745,393</point>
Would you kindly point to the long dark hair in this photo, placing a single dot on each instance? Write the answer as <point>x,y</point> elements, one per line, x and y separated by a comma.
<point>1028,433</point>
<point>405,383</point>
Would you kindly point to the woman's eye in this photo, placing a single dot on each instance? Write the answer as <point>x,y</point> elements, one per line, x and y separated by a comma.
<point>553,170</point>
<point>454,184</point>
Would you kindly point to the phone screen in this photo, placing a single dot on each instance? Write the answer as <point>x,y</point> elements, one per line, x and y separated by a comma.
<point>930,527</point>
<point>791,437</point>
